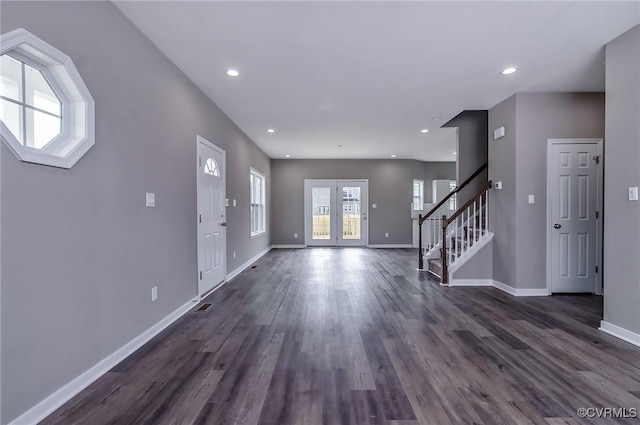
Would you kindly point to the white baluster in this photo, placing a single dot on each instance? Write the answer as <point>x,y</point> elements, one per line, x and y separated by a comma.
<point>475,227</point>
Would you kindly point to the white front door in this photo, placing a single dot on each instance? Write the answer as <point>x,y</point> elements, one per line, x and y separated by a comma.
<point>573,205</point>
<point>336,212</point>
<point>211,216</point>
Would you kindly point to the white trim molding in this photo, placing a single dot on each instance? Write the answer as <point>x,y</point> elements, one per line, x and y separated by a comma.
<point>621,333</point>
<point>468,254</point>
<point>471,282</point>
<point>246,265</point>
<point>504,288</point>
<point>77,133</point>
<point>390,245</point>
<point>68,391</point>
<point>521,292</point>
<point>288,246</point>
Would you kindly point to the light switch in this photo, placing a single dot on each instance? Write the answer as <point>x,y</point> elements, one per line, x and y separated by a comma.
<point>531,199</point>
<point>150,199</point>
<point>633,193</point>
<point>234,203</point>
<point>227,202</point>
<point>374,205</point>
<point>497,185</point>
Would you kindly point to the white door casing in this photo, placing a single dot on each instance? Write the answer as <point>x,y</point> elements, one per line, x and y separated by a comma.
<point>336,212</point>
<point>574,215</point>
<point>211,218</point>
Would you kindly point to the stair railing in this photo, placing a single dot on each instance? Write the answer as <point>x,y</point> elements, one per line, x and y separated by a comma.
<point>464,228</point>
<point>433,234</point>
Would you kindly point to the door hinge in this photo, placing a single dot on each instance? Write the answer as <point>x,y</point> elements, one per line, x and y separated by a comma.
<point>200,275</point>
<point>597,214</point>
<point>200,218</point>
<point>596,269</point>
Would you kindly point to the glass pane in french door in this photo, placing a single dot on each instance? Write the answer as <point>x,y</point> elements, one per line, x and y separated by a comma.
<point>321,221</point>
<point>351,206</point>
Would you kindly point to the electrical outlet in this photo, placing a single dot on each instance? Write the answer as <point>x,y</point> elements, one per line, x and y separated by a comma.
<point>295,236</point>
<point>154,293</point>
<point>234,203</point>
<point>633,193</point>
<point>234,254</point>
<point>386,235</point>
<point>532,199</point>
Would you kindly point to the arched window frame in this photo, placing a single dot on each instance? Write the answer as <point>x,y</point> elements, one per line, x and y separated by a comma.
<point>78,107</point>
<point>211,167</point>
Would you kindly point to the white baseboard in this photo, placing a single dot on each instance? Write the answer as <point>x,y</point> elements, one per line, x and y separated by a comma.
<point>471,282</point>
<point>65,393</point>
<point>535,292</point>
<point>622,333</point>
<point>521,292</point>
<point>390,245</point>
<point>244,266</point>
<point>505,288</point>
<point>289,246</point>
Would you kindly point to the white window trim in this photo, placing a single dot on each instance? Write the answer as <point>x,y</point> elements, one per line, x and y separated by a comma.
<point>253,171</point>
<point>78,106</point>
<point>421,204</point>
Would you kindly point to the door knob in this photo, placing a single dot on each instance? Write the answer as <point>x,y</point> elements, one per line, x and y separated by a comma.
<point>223,224</point>
<point>556,226</point>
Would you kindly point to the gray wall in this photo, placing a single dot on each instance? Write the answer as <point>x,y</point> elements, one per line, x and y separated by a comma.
<point>539,117</point>
<point>390,187</point>
<point>472,150</point>
<point>622,155</point>
<point>543,116</point>
<point>502,203</point>
<point>80,250</point>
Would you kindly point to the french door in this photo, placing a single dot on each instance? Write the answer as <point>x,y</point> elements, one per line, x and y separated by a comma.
<point>336,212</point>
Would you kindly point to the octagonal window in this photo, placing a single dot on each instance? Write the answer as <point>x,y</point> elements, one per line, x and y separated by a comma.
<point>46,111</point>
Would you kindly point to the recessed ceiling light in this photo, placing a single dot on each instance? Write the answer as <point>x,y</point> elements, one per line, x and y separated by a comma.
<point>509,70</point>
<point>340,146</point>
<point>424,130</point>
<point>232,73</point>
<point>454,153</point>
<point>393,156</point>
<point>287,156</point>
<point>271,130</point>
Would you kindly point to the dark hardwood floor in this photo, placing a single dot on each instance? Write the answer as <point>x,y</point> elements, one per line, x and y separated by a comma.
<point>357,336</point>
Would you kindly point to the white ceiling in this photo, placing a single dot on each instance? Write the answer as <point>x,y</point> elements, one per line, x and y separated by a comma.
<point>370,75</point>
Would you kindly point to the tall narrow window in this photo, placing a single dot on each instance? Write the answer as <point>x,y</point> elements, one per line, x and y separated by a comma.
<point>418,194</point>
<point>258,207</point>
<point>452,200</point>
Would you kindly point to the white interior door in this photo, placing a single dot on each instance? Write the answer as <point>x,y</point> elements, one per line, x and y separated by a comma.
<point>573,203</point>
<point>336,212</point>
<point>211,216</point>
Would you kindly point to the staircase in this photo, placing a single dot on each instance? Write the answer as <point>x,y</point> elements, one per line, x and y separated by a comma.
<point>446,243</point>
